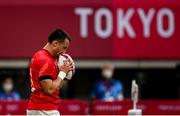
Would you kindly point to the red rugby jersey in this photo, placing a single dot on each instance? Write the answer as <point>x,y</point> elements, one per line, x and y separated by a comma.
<point>42,64</point>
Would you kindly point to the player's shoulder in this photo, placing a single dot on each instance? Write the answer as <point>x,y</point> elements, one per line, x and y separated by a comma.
<point>41,52</point>
<point>41,56</point>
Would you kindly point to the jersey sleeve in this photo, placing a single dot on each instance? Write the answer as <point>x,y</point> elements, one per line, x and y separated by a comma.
<point>45,67</point>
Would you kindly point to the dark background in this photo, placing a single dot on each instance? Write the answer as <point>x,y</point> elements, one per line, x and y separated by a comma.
<point>153,83</point>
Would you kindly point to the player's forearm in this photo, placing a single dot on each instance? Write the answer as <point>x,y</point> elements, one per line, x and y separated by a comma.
<point>50,86</point>
<point>55,85</point>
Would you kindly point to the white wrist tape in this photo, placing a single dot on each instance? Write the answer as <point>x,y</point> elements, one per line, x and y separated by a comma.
<point>62,75</point>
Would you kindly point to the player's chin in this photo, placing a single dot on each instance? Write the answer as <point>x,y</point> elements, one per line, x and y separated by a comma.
<point>57,55</point>
<point>60,53</point>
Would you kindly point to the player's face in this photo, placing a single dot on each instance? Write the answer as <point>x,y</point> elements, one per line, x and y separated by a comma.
<point>62,47</point>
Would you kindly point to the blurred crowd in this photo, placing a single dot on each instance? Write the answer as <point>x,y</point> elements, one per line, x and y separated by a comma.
<point>105,83</point>
<point>105,88</point>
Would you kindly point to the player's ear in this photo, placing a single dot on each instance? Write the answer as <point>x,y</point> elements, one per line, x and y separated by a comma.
<point>55,43</point>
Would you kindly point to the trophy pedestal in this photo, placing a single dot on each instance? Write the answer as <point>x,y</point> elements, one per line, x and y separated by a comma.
<point>135,112</point>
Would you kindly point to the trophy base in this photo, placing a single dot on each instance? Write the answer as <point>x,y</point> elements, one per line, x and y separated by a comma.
<point>135,112</point>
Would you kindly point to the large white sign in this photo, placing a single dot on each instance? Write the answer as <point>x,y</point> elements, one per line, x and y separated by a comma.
<point>124,24</point>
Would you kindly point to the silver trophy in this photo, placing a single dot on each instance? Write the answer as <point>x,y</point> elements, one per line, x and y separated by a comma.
<point>134,98</point>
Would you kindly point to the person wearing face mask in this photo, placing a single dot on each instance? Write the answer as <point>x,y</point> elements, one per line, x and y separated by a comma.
<point>107,89</point>
<point>8,93</point>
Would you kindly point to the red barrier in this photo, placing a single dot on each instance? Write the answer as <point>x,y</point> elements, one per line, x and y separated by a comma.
<point>149,107</point>
<point>160,107</point>
<point>73,107</point>
<point>70,107</point>
<point>79,107</point>
<point>13,108</point>
<point>110,108</point>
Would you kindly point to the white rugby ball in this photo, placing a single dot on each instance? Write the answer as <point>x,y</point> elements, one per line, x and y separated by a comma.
<point>65,58</point>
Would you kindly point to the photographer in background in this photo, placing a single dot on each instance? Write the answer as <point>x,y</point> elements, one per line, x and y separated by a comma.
<point>107,89</point>
<point>8,94</point>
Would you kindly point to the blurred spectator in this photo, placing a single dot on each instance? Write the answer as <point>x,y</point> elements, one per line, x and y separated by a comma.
<point>8,93</point>
<point>107,89</point>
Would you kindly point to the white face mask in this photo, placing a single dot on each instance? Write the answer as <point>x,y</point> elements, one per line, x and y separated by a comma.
<point>107,74</point>
<point>7,87</point>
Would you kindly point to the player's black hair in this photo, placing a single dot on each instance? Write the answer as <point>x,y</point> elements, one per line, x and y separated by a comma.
<point>59,35</point>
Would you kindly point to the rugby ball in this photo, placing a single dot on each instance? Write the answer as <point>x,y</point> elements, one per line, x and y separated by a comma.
<point>63,58</point>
